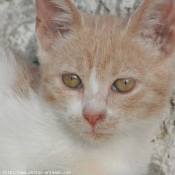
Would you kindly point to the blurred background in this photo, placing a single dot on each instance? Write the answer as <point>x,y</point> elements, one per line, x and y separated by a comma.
<point>17,31</point>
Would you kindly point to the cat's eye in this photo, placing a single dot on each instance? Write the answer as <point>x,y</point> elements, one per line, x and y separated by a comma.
<point>72,81</point>
<point>123,85</point>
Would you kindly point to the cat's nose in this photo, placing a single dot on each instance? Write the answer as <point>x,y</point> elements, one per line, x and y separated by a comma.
<point>92,119</point>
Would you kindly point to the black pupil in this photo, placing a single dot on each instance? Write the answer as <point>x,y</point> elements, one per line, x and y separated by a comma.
<point>126,81</point>
<point>73,77</point>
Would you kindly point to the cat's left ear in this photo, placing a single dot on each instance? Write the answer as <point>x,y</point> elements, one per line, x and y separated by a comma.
<point>55,19</point>
<point>154,21</point>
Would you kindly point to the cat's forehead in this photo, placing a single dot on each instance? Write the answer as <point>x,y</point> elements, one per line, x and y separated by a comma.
<point>97,43</point>
<point>100,46</point>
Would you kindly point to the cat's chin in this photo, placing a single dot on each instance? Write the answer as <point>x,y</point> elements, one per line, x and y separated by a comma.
<point>96,136</point>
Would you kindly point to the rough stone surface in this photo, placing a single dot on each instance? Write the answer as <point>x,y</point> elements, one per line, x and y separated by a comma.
<point>17,32</point>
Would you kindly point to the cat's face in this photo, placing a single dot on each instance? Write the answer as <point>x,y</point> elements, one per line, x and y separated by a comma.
<point>99,56</point>
<point>102,69</point>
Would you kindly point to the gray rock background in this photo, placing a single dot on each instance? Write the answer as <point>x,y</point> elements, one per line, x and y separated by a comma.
<point>17,31</point>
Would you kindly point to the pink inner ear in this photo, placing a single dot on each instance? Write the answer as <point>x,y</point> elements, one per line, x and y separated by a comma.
<point>168,31</point>
<point>46,11</point>
<point>55,18</point>
<point>167,42</point>
<point>155,20</point>
<point>171,15</point>
<point>44,34</point>
<point>45,26</point>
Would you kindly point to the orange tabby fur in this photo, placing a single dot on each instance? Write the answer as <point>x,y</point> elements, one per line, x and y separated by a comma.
<point>27,77</point>
<point>54,132</point>
<point>104,52</point>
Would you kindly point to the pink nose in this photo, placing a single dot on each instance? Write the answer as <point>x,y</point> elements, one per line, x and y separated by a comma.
<point>92,119</point>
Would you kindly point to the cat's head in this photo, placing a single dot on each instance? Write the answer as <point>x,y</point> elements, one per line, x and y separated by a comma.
<point>106,76</point>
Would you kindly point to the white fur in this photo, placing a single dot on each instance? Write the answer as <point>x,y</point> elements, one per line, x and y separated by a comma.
<point>33,137</point>
<point>93,82</point>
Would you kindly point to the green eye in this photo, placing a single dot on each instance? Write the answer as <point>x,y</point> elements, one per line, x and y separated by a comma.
<point>72,81</point>
<point>123,85</point>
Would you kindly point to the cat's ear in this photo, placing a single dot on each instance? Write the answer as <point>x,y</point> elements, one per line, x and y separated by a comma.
<point>55,18</point>
<point>154,21</point>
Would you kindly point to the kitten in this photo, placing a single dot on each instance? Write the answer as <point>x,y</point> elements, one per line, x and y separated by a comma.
<point>100,91</point>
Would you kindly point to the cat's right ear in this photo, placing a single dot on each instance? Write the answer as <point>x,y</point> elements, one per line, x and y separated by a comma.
<point>154,23</point>
<point>55,18</point>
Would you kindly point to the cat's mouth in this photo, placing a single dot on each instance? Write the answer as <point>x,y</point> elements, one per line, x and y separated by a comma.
<point>103,130</point>
<point>97,135</point>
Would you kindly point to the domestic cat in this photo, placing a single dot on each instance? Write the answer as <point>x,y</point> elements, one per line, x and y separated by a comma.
<point>101,89</point>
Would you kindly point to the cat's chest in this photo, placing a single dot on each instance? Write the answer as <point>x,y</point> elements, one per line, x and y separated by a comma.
<point>109,160</point>
<point>100,162</point>
<point>90,166</point>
